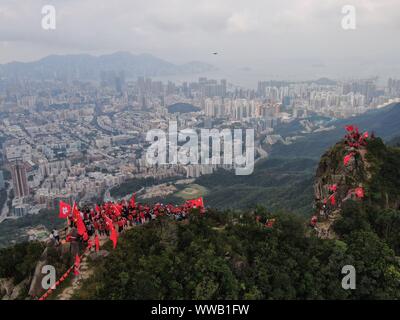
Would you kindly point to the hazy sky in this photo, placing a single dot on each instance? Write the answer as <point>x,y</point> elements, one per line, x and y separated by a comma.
<point>277,37</point>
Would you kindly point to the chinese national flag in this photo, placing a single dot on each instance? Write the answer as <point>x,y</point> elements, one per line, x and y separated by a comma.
<point>65,210</point>
<point>198,203</point>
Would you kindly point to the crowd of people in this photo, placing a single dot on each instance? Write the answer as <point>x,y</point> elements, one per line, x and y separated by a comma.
<point>111,218</point>
<point>86,225</point>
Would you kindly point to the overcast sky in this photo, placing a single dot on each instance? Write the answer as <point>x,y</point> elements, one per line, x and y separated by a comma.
<point>276,36</point>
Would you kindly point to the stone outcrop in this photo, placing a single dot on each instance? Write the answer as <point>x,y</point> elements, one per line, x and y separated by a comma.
<point>332,171</point>
<point>9,291</point>
<point>36,289</point>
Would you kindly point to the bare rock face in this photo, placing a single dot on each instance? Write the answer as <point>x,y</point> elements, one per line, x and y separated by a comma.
<point>36,284</point>
<point>6,288</point>
<point>36,289</point>
<point>9,291</point>
<point>18,289</point>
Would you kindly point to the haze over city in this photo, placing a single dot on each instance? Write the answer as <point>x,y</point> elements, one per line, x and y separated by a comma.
<point>286,39</point>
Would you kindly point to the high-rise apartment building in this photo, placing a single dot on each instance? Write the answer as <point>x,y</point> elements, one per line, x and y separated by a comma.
<point>20,181</point>
<point>2,182</point>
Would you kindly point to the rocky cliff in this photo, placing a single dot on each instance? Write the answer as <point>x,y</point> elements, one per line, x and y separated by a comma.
<point>354,171</point>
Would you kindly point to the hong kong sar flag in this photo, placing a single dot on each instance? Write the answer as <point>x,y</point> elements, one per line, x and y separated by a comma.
<point>65,210</point>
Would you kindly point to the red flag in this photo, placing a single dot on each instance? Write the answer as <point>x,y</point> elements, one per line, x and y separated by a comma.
<point>80,225</point>
<point>132,201</point>
<point>347,158</point>
<point>333,200</point>
<point>109,222</point>
<point>197,203</point>
<point>117,209</point>
<point>97,242</point>
<point>114,234</point>
<point>77,264</point>
<point>349,128</point>
<point>114,237</point>
<point>65,210</point>
<point>359,192</point>
<point>333,188</point>
<point>97,209</point>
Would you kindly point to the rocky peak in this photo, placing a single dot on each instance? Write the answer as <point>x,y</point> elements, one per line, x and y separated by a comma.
<point>342,174</point>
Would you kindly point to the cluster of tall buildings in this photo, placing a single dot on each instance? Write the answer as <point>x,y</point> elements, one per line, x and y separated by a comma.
<point>76,140</point>
<point>239,109</point>
<point>393,87</point>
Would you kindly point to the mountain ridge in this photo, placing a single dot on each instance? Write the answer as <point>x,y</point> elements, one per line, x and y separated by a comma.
<point>89,67</point>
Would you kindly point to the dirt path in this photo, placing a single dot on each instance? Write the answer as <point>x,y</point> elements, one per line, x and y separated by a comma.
<point>76,284</point>
<point>84,273</point>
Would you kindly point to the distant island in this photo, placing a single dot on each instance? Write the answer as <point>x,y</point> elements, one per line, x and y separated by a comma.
<point>182,108</point>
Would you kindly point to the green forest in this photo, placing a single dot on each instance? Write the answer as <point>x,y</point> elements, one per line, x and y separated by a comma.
<point>277,184</point>
<point>227,255</point>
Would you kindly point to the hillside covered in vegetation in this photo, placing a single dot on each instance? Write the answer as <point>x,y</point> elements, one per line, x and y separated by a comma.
<point>230,255</point>
<point>233,254</point>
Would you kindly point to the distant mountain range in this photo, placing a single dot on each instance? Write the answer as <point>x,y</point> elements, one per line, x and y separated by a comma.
<point>88,67</point>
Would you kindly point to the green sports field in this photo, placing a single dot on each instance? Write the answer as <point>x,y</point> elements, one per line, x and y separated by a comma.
<point>192,191</point>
